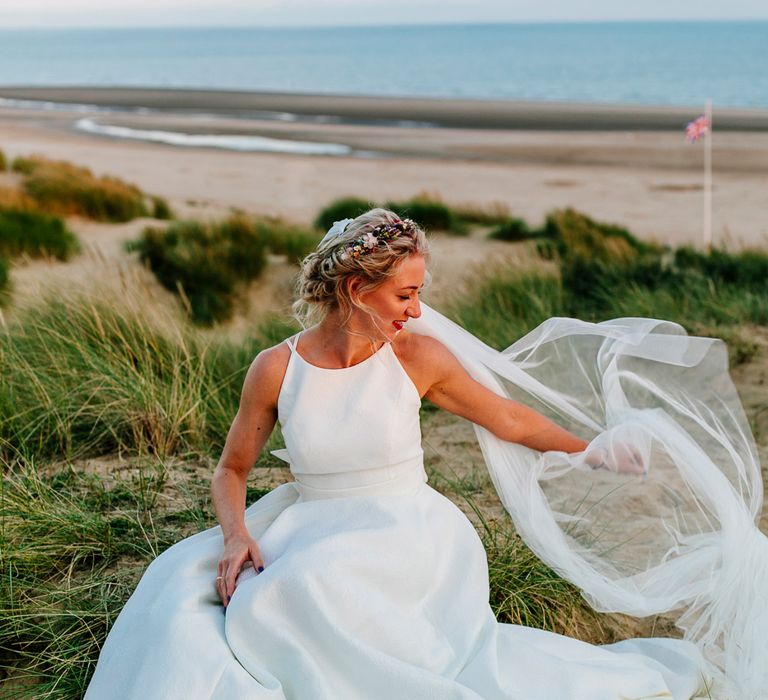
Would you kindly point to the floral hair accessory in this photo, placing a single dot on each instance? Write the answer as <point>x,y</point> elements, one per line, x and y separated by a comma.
<point>368,242</point>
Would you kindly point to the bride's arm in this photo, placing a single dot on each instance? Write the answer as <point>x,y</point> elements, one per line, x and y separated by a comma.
<point>247,436</point>
<point>249,432</point>
<point>452,388</point>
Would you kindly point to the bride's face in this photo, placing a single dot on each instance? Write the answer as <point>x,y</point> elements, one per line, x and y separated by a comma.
<point>397,299</point>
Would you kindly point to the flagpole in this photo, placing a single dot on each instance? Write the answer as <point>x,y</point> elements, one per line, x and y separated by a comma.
<point>708,179</point>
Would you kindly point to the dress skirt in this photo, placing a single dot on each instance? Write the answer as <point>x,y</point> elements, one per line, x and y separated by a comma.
<point>380,595</point>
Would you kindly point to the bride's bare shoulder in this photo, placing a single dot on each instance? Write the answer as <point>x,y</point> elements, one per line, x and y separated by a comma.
<point>426,358</point>
<point>267,370</point>
<point>421,348</point>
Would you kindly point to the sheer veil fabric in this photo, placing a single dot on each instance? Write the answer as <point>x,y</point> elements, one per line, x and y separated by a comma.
<point>681,538</point>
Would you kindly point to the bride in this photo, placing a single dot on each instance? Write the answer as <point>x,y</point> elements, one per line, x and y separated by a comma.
<point>358,580</point>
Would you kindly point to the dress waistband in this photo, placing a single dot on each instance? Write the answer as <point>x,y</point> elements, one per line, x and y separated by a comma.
<point>403,478</point>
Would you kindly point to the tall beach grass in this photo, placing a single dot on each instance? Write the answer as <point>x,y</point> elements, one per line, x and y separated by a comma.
<point>427,209</point>
<point>75,545</point>
<point>209,264</point>
<point>597,271</point>
<point>36,235</point>
<point>65,189</point>
<point>109,376</point>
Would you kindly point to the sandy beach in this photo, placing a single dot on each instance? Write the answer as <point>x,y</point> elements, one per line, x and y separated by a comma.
<point>624,165</point>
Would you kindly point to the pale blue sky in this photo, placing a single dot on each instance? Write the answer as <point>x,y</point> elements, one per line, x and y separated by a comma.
<point>292,13</point>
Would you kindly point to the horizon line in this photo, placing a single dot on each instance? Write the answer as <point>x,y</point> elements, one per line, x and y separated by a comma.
<point>382,25</point>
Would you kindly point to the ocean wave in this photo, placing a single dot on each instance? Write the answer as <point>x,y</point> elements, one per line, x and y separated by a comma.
<point>233,142</point>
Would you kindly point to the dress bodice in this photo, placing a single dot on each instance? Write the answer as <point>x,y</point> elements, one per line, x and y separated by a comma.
<point>350,427</point>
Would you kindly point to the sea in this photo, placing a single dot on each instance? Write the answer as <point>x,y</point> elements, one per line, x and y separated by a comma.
<point>645,63</point>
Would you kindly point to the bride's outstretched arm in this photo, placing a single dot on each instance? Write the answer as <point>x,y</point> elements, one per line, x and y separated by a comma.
<point>453,389</point>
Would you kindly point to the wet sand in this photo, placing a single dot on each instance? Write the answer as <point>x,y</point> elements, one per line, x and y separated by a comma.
<point>619,164</point>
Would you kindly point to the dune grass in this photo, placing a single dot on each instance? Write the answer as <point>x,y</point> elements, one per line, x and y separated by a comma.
<point>342,208</point>
<point>75,546</point>
<point>3,161</point>
<point>24,165</point>
<point>85,377</point>
<point>206,263</point>
<point>65,189</point>
<point>209,264</point>
<point>429,210</point>
<point>26,232</point>
<point>285,238</point>
<point>82,377</point>
<point>492,214</point>
<point>89,376</point>
<point>36,235</point>
<point>5,280</point>
<point>602,271</point>
<point>14,198</point>
<point>513,229</point>
<point>161,209</point>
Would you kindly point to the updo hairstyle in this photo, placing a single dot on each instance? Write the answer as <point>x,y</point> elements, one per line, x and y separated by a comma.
<point>322,284</point>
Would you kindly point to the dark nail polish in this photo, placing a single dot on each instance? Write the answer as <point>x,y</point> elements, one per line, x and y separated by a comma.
<point>229,597</point>
<point>261,568</point>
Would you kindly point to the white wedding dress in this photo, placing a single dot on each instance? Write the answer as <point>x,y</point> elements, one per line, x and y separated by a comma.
<point>375,586</point>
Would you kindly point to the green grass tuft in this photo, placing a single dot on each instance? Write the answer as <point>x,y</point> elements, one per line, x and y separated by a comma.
<point>73,552</point>
<point>206,263</point>
<point>493,214</point>
<point>5,281</point>
<point>85,376</point>
<point>68,190</point>
<point>343,208</point>
<point>59,187</point>
<point>425,209</point>
<point>161,209</point>
<point>25,165</point>
<point>573,234</point>
<point>35,234</point>
<point>295,242</point>
<point>431,213</point>
<point>605,272</point>
<point>512,230</point>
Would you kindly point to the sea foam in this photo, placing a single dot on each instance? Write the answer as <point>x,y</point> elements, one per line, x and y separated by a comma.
<point>232,142</point>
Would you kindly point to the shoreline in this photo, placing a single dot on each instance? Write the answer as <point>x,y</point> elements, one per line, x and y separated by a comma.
<point>392,111</point>
<point>649,181</point>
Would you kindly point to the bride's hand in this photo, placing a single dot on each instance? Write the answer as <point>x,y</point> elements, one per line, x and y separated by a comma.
<point>621,458</point>
<point>238,551</point>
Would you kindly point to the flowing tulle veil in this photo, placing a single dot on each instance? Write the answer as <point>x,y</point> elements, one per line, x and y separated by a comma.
<point>683,537</point>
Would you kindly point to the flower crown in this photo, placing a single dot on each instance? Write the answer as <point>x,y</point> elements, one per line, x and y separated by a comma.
<point>368,242</point>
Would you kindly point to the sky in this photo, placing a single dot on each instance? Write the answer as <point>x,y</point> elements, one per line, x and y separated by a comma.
<point>295,13</point>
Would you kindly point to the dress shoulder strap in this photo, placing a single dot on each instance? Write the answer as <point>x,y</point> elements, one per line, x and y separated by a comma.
<point>292,341</point>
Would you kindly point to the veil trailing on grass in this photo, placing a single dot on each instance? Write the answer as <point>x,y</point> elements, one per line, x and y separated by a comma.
<point>682,537</point>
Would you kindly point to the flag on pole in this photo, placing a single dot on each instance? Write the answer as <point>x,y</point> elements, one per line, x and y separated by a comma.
<point>697,129</point>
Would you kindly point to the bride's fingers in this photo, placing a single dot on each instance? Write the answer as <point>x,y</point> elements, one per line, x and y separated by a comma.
<point>258,564</point>
<point>221,587</point>
<point>229,579</point>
